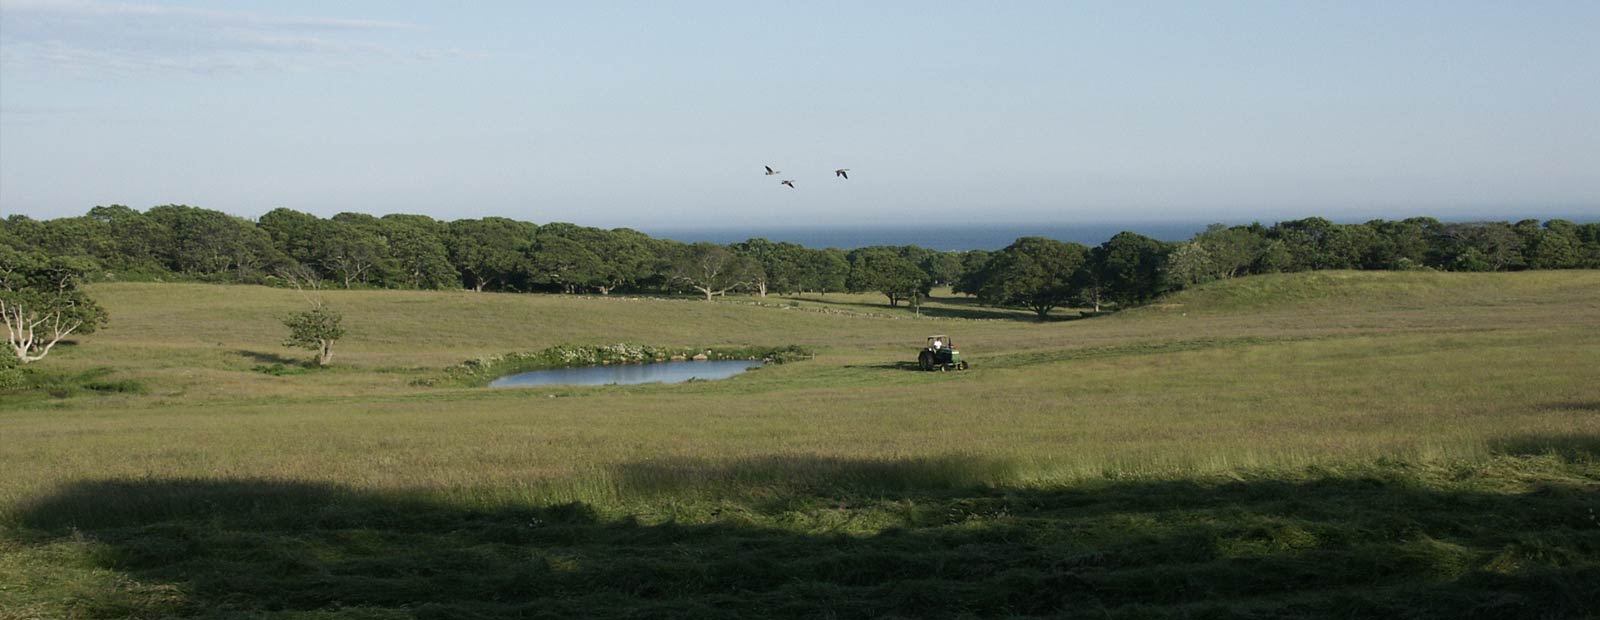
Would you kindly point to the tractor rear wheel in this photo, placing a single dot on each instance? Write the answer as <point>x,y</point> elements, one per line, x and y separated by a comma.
<point>925,360</point>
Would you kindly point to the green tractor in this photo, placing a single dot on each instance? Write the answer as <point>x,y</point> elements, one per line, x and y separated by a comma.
<point>941,355</point>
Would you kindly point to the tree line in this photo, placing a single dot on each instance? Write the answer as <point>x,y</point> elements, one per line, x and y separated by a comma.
<point>354,250</point>
<point>1131,269</point>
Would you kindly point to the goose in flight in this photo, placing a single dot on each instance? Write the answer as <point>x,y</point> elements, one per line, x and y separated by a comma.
<point>841,173</point>
<point>771,172</point>
<point>787,182</point>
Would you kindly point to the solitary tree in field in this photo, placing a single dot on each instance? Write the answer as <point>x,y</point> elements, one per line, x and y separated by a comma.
<point>40,303</point>
<point>316,329</point>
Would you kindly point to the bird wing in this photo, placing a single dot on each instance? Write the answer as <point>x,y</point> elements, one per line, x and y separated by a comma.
<point>769,169</point>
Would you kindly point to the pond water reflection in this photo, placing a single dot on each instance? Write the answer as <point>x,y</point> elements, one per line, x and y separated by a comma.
<point>627,374</point>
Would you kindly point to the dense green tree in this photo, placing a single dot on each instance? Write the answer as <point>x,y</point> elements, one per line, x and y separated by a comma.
<point>135,240</point>
<point>212,243</point>
<point>783,264</point>
<point>826,271</point>
<point>1230,251</point>
<point>13,234</point>
<point>974,272</point>
<point>1316,243</point>
<point>563,264</point>
<point>714,270</point>
<point>1588,236</point>
<point>1033,272</point>
<point>631,257</point>
<point>943,267</point>
<point>884,270</point>
<point>416,252</point>
<point>316,329</point>
<point>1128,267</point>
<point>42,302</point>
<point>1553,246</point>
<point>1398,245</point>
<point>489,252</point>
<point>1189,264</point>
<point>435,228</point>
<point>623,257</point>
<point>399,250</point>
<point>1088,284</point>
<point>362,220</point>
<point>351,254</point>
<point>1481,246</point>
<point>82,237</point>
<point>298,235</point>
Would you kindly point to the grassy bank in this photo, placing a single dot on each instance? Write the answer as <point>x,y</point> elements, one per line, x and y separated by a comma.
<point>1305,445</point>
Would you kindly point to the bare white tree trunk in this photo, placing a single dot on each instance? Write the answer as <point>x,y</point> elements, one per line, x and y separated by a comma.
<point>23,333</point>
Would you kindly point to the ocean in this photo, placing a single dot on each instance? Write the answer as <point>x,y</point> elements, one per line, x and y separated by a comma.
<point>944,238</point>
<point>955,237</point>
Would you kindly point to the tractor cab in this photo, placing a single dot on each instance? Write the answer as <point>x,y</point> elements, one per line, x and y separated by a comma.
<point>940,354</point>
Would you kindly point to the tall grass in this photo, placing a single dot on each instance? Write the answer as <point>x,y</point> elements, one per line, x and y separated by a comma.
<point>1277,383</point>
<point>1152,391</point>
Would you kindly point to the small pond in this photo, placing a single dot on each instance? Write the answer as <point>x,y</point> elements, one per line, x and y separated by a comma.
<point>628,374</point>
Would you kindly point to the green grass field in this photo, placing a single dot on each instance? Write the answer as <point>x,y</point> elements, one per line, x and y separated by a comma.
<point>1333,444</point>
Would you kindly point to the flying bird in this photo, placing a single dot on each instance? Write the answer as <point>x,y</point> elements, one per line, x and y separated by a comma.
<point>787,182</point>
<point>841,173</point>
<point>771,172</point>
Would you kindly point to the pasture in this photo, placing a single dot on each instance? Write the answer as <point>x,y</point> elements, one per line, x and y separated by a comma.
<point>1296,445</point>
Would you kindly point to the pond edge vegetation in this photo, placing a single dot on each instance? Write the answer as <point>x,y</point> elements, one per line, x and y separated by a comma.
<point>478,372</point>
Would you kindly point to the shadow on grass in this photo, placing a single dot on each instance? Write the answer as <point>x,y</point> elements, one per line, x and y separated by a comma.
<point>845,538</point>
<point>1568,447</point>
<point>948,308</point>
<point>889,366</point>
<point>972,305</point>
<point>270,358</point>
<point>791,476</point>
<point>1580,405</point>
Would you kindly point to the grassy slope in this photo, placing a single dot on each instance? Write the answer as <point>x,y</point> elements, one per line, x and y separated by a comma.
<point>1314,405</point>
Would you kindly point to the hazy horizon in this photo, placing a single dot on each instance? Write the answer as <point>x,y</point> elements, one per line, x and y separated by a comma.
<point>620,114</point>
<point>724,225</point>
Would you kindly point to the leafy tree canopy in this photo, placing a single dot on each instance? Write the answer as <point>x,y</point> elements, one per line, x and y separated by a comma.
<point>1033,272</point>
<point>41,302</point>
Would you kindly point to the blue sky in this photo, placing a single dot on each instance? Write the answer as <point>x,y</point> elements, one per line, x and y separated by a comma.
<point>652,115</point>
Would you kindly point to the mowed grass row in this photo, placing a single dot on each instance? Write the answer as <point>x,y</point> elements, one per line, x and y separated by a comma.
<point>1307,445</point>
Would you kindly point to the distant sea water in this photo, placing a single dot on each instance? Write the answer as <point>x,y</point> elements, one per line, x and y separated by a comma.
<point>956,237</point>
<point>941,237</point>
